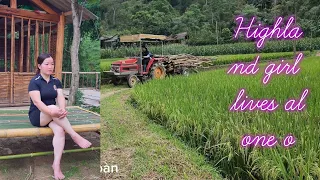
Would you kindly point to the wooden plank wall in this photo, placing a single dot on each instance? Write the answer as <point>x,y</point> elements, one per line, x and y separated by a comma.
<point>21,83</point>
<point>4,86</point>
<point>14,89</point>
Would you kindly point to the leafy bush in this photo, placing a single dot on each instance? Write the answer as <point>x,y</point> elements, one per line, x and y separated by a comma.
<point>79,98</point>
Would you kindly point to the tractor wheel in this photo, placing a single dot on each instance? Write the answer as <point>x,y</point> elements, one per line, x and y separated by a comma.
<point>158,71</point>
<point>116,81</point>
<point>132,80</point>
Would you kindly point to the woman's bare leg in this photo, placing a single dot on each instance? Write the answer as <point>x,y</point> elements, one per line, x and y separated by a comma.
<point>58,146</point>
<point>65,124</point>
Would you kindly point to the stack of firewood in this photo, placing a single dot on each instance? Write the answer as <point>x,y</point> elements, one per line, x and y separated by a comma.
<point>185,60</point>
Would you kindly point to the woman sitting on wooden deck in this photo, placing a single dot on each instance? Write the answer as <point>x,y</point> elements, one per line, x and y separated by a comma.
<point>44,89</point>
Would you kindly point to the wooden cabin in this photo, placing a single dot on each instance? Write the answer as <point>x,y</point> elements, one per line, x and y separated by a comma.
<point>27,29</point>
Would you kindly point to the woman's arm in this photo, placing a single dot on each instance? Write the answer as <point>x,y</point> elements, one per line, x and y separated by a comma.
<point>61,100</point>
<point>36,99</point>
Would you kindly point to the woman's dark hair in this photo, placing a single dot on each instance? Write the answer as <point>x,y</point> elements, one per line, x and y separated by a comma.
<point>41,58</point>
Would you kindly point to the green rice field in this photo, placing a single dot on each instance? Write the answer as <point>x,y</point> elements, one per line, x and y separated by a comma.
<point>196,109</point>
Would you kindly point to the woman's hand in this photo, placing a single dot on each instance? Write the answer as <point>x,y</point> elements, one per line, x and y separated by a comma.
<point>59,113</point>
<point>55,112</point>
<point>63,113</point>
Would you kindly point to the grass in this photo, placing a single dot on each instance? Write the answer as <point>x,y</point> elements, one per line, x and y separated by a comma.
<point>107,88</point>
<point>195,108</point>
<point>95,109</point>
<point>71,172</point>
<point>4,170</point>
<point>145,150</point>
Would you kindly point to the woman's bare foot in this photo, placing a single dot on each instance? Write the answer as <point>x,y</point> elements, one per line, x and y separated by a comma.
<point>82,142</point>
<point>57,172</point>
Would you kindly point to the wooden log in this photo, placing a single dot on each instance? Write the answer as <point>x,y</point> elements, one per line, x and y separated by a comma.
<point>36,46</point>
<point>12,58</point>
<point>59,47</point>
<point>28,48</point>
<point>42,39</point>
<point>49,40</point>
<point>21,47</point>
<point>5,44</point>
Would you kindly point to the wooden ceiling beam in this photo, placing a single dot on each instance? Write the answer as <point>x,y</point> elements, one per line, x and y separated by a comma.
<point>30,14</point>
<point>43,6</point>
<point>68,13</point>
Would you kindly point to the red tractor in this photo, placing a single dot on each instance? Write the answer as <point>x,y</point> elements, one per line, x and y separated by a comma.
<point>131,70</point>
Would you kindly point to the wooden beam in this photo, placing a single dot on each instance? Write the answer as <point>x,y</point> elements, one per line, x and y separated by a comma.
<point>29,14</point>
<point>59,47</point>
<point>32,30</point>
<point>68,13</point>
<point>49,40</point>
<point>28,47</point>
<point>5,45</point>
<point>36,46</point>
<point>43,6</point>
<point>13,4</point>
<point>42,39</point>
<point>21,48</point>
<point>12,58</point>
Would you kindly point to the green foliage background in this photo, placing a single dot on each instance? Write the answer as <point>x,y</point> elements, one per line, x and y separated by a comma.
<point>200,18</point>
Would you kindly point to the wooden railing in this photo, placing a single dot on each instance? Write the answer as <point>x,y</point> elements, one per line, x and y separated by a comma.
<point>86,79</point>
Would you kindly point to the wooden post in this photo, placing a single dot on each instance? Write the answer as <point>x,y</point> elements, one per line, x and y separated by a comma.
<point>42,39</point>
<point>21,47</point>
<point>28,48</point>
<point>64,81</point>
<point>5,44</point>
<point>97,80</point>
<point>12,58</point>
<point>36,46</point>
<point>59,47</point>
<point>49,41</point>
<point>82,78</point>
<point>13,4</point>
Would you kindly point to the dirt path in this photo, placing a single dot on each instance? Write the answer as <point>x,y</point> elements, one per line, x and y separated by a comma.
<point>141,149</point>
<point>108,94</point>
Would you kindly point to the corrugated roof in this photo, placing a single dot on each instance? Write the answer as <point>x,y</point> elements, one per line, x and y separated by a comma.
<point>139,37</point>
<point>65,6</point>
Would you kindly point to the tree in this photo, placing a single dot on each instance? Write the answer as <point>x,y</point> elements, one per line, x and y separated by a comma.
<point>89,28</point>
<point>76,21</point>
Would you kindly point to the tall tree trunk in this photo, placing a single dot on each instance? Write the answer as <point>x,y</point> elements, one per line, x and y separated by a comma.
<point>217,34</point>
<point>75,51</point>
<point>114,16</point>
